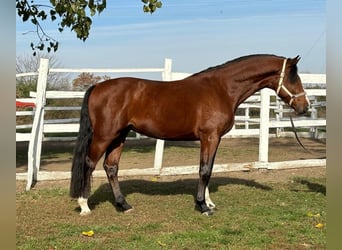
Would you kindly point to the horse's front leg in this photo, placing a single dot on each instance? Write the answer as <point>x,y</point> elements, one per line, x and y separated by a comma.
<point>209,146</point>
<point>208,201</point>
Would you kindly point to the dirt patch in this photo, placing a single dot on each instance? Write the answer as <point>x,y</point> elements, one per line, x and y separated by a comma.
<point>262,176</point>
<point>57,156</point>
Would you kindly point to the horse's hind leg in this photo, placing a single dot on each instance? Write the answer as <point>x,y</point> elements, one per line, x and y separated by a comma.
<point>96,150</point>
<point>111,166</point>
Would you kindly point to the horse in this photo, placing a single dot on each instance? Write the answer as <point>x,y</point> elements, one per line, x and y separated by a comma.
<point>199,107</point>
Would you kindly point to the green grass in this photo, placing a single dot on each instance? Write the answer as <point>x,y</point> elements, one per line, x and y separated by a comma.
<point>250,215</point>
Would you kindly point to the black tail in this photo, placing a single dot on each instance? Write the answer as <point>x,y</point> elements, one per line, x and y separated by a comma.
<point>79,164</point>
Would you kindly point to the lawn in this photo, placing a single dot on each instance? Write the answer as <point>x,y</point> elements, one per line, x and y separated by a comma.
<point>250,214</point>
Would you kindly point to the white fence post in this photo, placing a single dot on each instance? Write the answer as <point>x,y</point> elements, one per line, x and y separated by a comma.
<point>35,144</point>
<point>264,127</point>
<point>158,156</point>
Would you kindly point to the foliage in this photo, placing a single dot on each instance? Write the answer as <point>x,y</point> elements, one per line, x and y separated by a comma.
<point>150,6</point>
<point>76,15</point>
<point>25,84</point>
<point>26,64</point>
<point>84,80</point>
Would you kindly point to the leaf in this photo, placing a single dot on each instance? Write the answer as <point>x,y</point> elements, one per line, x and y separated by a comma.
<point>319,225</point>
<point>159,4</point>
<point>310,214</point>
<point>25,16</point>
<point>146,8</point>
<point>88,233</point>
<point>161,243</point>
<point>154,179</point>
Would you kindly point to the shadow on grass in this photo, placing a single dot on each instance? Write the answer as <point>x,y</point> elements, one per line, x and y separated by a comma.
<point>312,186</point>
<point>186,186</point>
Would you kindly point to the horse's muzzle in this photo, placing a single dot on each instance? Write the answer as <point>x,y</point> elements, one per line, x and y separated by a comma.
<point>302,109</point>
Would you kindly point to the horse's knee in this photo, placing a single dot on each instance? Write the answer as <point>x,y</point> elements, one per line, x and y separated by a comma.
<point>112,171</point>
<point>205,172</point>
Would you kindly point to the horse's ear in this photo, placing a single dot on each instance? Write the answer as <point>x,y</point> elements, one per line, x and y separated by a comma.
<point>295,60</point>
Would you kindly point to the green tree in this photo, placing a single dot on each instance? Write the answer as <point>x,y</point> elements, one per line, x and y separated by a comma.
<point>76,15</point>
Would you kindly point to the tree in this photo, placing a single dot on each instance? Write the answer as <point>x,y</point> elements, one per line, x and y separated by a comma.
<point>84,80</point>
<point>25,64</point>
<point>72,14</point>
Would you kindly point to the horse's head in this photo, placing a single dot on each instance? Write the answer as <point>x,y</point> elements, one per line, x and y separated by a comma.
<point>290,88</point>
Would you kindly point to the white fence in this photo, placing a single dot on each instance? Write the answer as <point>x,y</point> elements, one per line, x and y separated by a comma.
<point>41,127</point>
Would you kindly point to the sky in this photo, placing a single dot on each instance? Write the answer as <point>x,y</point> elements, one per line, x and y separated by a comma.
<point>194,34</point>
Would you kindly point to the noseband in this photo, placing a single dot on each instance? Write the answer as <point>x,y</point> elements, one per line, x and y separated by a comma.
<point>281,86</point>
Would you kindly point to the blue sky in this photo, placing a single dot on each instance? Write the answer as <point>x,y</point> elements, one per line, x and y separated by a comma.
<point>195,34</point>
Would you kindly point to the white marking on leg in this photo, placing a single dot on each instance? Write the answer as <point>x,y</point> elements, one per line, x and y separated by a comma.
<point>83,202</point>
<point>208,201</point>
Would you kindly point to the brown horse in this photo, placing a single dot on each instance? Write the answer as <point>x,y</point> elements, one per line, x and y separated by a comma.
<point>200,107</point>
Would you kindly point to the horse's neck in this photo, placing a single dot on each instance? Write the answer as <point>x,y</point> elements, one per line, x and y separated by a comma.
<point>248,79</point>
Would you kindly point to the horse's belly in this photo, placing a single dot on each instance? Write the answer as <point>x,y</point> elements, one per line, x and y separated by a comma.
<point>164,130</point>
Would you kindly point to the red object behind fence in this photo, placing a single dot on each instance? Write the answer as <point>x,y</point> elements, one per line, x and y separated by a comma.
<point>24,104</point>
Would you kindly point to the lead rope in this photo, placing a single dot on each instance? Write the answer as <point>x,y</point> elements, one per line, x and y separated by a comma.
<point>298,140</point>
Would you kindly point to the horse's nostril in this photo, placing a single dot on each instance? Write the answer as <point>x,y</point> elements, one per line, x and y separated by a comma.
<point>305,110</point>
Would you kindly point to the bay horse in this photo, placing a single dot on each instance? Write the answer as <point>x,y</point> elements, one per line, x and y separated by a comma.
<point>199,107</point>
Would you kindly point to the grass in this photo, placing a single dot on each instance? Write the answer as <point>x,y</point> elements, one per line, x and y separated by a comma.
<point>250,215</point>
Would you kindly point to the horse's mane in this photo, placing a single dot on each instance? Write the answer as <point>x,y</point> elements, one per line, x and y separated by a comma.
<point>239,59</point>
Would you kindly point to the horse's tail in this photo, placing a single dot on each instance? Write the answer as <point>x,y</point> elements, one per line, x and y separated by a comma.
<point>79,164</point>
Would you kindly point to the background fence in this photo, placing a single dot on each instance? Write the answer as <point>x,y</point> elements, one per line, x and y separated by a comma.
<point>262,115</point>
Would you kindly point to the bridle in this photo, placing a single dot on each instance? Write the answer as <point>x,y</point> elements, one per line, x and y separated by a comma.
<point>282,86</point>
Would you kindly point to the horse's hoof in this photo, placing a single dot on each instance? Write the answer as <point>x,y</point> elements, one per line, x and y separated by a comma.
<point>211,206</point>
<point>84,213</point>
<point>123,206</point>
<point>128,210</point>
<point>208,213</point>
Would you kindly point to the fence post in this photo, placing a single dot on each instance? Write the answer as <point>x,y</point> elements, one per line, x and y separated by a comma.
<point>158,156</point>
<point>35,143</point>
<point>264,127</point>
<point>279,116</point>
